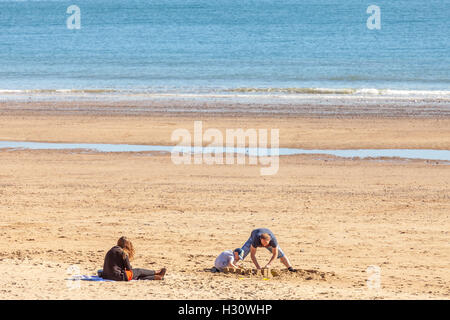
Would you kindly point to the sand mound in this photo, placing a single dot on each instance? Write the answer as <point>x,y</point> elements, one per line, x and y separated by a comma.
<point>280,274</point>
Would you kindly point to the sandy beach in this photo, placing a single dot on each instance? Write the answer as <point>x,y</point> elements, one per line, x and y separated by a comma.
<point>338,124</point>
<point>183,126</point>
<point>62,210</point>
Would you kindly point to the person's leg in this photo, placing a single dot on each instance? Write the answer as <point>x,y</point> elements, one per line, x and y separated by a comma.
<point>161,272</point>
<point>283,258</point>
<point>246,246</point>
<point>143,274</point>
<point>160,275</point>
<point>280,252</point>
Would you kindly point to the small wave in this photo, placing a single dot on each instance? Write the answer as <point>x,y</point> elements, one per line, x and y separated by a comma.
<point>293,90</point>
<point>343,91</point>
<point>56,91</point>
<point>225,92</point>
<point>415,92</point>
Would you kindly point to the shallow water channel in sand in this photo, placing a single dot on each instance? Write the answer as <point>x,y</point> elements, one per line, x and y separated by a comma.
<point>424,154</point>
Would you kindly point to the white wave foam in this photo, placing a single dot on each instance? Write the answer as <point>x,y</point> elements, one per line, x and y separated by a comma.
<point>234,92</point>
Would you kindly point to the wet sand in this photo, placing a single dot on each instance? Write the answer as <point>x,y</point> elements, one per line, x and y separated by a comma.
<point>356,126</point>
<point>337,216</point>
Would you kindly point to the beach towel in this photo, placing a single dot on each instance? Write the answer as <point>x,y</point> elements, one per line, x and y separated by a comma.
<point>87,278</point>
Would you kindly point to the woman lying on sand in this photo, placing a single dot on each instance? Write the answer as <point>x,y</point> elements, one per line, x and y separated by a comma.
<point>117,264</point>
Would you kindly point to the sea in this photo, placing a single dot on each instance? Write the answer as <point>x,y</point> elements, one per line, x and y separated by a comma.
<point>226,46</point>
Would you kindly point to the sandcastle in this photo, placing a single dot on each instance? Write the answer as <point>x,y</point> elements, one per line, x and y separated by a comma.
<point>281,273</point>
<point>266,273</point>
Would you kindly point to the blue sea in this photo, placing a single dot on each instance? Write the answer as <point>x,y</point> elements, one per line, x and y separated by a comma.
<point>225,46</point>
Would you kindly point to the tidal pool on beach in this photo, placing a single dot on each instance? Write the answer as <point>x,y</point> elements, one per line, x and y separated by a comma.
<point>423,154</point>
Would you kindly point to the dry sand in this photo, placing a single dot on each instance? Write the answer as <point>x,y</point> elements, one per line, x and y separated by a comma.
<point>337,216</point>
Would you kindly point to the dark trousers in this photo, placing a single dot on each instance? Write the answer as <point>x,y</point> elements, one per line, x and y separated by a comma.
<point>143,274</point>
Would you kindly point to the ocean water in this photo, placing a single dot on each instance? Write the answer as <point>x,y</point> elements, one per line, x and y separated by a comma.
<point>246,46</point>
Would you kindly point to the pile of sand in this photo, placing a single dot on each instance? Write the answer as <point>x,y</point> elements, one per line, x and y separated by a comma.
<point>281,274</point>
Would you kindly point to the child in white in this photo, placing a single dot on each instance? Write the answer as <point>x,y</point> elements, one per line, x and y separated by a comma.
<point>228,259</point>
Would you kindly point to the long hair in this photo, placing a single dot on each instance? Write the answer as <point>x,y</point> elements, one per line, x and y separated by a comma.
<point>127,247</point>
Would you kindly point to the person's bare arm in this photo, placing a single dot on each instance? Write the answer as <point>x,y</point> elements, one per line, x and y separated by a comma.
<point>253,256</point>
<point>274,256</point>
